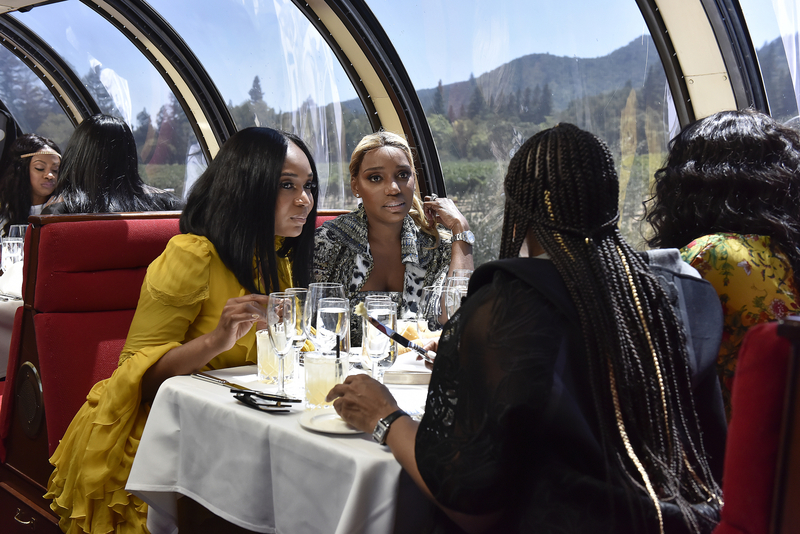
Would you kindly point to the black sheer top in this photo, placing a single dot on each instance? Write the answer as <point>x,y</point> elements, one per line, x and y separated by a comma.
<point>510,423</point>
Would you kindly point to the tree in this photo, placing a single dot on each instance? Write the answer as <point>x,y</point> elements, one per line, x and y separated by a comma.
<point>256,94</point>
<point>477,104</point>
<point>438,100</point>
<point>545,104</point>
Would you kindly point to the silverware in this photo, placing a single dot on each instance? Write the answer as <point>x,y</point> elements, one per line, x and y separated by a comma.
<point>239,391</point>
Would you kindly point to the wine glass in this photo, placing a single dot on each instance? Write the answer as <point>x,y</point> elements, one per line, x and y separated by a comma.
<point>280,325</point>
<point>300,295</point>
<point>333,324</point>
<point>430,315</point>
<point>376,342</point>
<point>317,291</point>
<point>462,273</point>
<point>455,290</point>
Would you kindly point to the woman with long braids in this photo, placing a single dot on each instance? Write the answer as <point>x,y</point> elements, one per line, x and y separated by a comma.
<point>729,195</point>
<point>570,389</point>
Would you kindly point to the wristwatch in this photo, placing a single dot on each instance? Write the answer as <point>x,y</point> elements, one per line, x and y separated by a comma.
<point>466,236</point>
<point>382,428</point>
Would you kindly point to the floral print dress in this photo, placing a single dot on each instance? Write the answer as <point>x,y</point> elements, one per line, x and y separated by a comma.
<point>754,286</point>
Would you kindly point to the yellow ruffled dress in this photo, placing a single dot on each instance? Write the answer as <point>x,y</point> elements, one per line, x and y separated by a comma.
<point>182,297</point>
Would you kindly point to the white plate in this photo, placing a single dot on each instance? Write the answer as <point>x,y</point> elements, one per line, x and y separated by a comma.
<point>326,420</point>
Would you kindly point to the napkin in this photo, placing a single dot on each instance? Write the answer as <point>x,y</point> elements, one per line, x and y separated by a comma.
<point>11,280</point>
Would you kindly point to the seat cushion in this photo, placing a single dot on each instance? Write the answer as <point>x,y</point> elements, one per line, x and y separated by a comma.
<point>104,260</point>
<point>751,455</point>
<point>76,350</point>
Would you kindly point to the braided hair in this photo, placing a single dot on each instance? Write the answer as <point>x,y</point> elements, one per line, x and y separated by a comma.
<point>562,185</point>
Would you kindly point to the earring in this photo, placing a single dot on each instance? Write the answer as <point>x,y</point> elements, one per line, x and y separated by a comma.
<point>358,196</point>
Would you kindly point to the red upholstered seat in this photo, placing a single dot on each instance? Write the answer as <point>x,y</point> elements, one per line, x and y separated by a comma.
<point>751,453</point>
<point>76,350</point>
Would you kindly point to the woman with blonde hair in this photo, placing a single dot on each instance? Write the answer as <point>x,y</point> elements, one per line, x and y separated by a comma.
<point>393,243</point>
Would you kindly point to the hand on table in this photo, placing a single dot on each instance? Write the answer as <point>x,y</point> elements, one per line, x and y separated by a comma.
<point>362,401</point>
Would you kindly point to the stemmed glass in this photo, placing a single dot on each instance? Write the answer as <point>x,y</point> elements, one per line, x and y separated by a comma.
<point>376,342</point>
<point>455,289</point>
<point>317,291</point>
<point>333,324</point>
<point>300,295</point>
<point>280,325</point>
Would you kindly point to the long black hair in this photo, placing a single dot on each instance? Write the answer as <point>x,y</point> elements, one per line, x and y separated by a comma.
<point>562,184</point>
<point>100,171</point>
<point>233,205</point>
<point>736,172</point>
<point>15,184</point>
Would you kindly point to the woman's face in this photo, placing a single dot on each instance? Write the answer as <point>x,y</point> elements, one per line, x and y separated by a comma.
<point>385,182</point>
<point>43,172</point>
<point>294,200</point>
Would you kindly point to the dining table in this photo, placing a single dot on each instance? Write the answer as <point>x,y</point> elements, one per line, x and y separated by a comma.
<point>271,472</point>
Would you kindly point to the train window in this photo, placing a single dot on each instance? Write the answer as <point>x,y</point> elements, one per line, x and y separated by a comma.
<point>491,74</point>
<point>124,84</point>
<point>31,104</point>
<point>772,50</point>
<point>274,69</point>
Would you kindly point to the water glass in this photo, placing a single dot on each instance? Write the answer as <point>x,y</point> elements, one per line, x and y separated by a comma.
<point>462,273</point>
<point>377,343</point>
<point>430,314</point>
<point>333,324</point>
<point>268,361</point>
<point>11,249</point>
<point>323,371</point>
<point>317,291</point>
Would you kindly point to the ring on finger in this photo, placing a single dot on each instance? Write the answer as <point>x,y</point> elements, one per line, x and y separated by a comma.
<point>433,196</point>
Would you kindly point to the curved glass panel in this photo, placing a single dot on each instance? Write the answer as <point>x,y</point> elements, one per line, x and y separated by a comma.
<point>489,78</point>
<point>274,69</point>
<point>774,42</point>
<point>124,84</point>
<point>30,103</point>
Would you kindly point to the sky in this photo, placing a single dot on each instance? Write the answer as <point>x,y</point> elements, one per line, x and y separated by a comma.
<point>437,40</point>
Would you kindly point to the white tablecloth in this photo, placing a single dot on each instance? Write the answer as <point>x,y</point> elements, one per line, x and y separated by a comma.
<point>261,471</point>
<point>7,310</point>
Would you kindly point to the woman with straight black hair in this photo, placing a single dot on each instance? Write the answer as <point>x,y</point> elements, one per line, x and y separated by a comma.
<point>100,173</point>
<point>29,179</point>
<point>561,399</point>
<point>248,231</point>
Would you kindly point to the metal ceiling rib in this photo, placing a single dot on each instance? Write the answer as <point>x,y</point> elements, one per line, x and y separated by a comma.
<point>57,76</point>
<point>380,78</point>
<point>174,60</point>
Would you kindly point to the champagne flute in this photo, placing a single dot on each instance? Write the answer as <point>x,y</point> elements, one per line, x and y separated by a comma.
<point>280,325</point>
<point>377,343</point>
<point>300,295</point>
<point>317,291</point>
<point>333,324</point>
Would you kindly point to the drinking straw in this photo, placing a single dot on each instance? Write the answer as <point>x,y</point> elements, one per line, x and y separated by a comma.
<point>337,345</point>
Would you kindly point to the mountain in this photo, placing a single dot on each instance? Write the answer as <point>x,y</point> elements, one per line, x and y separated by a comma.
<point>568,77</point>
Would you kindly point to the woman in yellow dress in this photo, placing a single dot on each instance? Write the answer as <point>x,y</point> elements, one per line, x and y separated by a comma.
<point>729,195</point>
<point>248,228</point>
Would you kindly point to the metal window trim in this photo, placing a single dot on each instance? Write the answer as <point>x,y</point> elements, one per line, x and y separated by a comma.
<point>384,59</point>
<point>172,58</point>
<point>63,83</point>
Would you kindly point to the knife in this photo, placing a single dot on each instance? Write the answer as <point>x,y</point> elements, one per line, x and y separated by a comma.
<point>429,355</point>
<point>236,388</point>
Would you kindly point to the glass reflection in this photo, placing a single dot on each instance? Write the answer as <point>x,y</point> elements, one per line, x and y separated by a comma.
<point>30,103</point>
<point>489,78</point>
<point>124,84</point>
<point>274,69</point>
<point>775,38</point>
